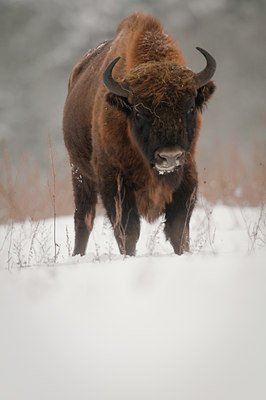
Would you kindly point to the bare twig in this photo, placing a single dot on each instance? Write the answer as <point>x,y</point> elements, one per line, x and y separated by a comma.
<point>31,249</point>
<point>256,230</point>
<point>184,241</point>
<point>53,199</point>
<point>9,254</point>
<point>211,229</point>
<point>154,237</point>
<point>117,224</point>
<point>68,244</point>
<point>207,235</point>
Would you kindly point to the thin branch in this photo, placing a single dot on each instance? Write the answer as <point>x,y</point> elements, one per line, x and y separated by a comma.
<point>53,198</point>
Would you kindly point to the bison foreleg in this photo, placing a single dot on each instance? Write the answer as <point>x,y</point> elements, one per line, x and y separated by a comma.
<point>85,196</point>
<point>178,215</point>
<point>119,202</point>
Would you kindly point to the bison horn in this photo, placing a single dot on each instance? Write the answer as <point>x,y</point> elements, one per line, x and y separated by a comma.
<point>205,75</point>
<point>112,85</point>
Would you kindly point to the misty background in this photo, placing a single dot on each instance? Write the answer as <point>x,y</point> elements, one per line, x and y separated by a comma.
<point>41,41</point>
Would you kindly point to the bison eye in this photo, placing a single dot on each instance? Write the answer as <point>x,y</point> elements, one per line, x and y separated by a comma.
<point>138,115</point>
<point>191,111</point>
<point>140,118</point>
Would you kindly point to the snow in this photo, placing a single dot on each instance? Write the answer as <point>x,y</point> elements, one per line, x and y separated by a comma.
<point>154,326</point>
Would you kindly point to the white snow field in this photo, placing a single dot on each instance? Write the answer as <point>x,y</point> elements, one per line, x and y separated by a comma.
<point>154,326</point>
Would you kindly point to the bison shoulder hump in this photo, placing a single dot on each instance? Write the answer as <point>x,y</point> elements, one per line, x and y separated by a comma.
<point>83,63</point>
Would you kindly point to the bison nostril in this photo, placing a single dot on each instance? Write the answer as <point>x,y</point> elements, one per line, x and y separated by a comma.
<point>179,154</point>
<point>163,157</point>
<point>171,157</point>
<point>168,158</point>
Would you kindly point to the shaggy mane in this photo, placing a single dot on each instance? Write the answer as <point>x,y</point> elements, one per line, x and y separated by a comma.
<point>159,81</point>
<point>148,41</point>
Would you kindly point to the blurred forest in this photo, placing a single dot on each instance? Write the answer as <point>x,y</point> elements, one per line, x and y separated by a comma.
<point>41,40</point>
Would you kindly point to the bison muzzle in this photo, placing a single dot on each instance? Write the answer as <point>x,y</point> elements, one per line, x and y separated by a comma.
<point>131,122</point>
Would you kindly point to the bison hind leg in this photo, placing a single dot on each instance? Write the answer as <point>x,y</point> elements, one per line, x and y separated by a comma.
<point>85,196</point>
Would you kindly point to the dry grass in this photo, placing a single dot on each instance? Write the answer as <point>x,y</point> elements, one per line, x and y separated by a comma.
<point>26,193</point>
<point>232,181</point>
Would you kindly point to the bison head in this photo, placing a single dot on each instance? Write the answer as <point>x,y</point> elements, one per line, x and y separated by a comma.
<point>162,101</point>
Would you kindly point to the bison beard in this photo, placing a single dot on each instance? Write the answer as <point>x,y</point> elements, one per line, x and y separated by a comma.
<point>131,122</point>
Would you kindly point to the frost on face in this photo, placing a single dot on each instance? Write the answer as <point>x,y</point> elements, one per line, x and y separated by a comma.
<point>161,170</point>
<point>165,172</point>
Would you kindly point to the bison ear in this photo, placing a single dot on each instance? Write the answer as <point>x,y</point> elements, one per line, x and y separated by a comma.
<point>203,94</point>
<point>121,103</point>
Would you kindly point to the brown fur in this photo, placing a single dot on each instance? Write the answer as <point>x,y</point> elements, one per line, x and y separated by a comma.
<point>98,136</point>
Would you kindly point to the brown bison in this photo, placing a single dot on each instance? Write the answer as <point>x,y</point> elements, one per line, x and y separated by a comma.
<point>131,123</point>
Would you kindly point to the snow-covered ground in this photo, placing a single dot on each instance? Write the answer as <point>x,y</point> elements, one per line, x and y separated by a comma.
<point>154,326</point>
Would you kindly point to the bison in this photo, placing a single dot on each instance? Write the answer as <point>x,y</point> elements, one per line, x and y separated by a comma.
<point>131,123</point>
